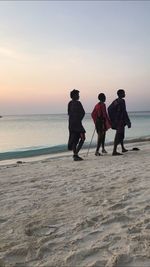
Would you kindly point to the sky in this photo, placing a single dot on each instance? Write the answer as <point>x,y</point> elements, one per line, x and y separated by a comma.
<point>48,48</point>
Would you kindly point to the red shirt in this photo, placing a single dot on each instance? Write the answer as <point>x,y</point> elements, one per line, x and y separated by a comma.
<point>100,111</point>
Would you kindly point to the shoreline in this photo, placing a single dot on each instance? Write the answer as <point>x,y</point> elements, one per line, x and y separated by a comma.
<point>37,155</point>
<point>66,153</point>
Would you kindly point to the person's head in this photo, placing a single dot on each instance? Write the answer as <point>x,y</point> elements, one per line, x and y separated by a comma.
<point>121,93</point>
<point>102,97</point>
<point>74,94</point>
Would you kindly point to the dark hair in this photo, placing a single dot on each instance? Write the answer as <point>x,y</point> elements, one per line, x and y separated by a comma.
<point>120,92</point>
<point>73,93</point>
<point>101,97</point>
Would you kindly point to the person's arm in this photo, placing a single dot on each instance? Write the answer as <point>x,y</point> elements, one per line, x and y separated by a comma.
<point>81,110</point>
<point>106,118</point>
<point>94,114</point>
<point>69,104</point>
<point>126,117</point>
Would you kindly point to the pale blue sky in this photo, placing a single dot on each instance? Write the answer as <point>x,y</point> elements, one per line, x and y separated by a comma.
<point>47,48</point>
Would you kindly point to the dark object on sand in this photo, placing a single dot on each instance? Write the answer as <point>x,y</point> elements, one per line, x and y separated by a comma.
<point>135,149</point>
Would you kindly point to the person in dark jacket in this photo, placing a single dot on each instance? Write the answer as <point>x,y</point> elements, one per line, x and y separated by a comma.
<point>120,121</point>
<point>76,130</point>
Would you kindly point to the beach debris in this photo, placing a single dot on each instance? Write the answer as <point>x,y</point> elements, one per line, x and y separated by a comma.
<point>135,149</point>
<point>19,162</point>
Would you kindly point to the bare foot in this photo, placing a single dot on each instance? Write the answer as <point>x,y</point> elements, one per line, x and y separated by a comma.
<point>98,154</point>
<point>124,150</point>
<point>104,151</point>
<point>116,154</point>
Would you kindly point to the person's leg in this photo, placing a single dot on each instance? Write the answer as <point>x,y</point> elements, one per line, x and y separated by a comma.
<point>81,142</point>
<point>74,139</point>
<point>74,149</point>
<point>75,153</point>
<point>122,141</point>
<point>78,145</point>
<point>123,148</point>
<point>103,142</point>
<point>116,143</point>
<point>99,142</point>
<point>72,142</point>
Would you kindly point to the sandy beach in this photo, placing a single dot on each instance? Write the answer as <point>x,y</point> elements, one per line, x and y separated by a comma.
<point>94,213</point>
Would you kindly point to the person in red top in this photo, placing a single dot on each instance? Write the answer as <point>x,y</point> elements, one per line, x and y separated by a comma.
<point>102,123</point>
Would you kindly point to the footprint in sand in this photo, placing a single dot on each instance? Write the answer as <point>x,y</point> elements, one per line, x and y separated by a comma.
<point>118,206</point>
<point>147,208</point>
<point>17,257</point>
<point>147,226</point>
<point>85,257</point>
<point>87,222</point>
<point>125,260</point>
<point>39,231</point>
<point>2,220</point>
<point>119,260</point>
<point>116,218</point>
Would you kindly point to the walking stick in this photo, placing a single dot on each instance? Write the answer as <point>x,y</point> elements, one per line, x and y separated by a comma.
<point>90,143</point>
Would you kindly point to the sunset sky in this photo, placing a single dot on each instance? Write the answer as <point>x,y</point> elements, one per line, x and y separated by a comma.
<point>48,48</point>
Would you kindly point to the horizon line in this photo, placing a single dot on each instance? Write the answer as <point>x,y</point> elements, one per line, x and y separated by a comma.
<point>29,114</point>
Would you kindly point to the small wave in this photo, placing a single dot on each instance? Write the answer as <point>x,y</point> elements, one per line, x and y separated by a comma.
<point>32,152</point>
<point>24,153</point>
<point>138,139</point>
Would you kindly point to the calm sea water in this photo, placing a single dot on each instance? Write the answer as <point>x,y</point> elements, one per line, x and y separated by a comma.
<point>31,135</point>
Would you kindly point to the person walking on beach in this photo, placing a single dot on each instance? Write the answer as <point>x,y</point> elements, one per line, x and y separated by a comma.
<point>119,119</point>
<point>102,123</point>
<point>76,130</point>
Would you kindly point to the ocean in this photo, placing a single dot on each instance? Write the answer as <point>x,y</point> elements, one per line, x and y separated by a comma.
<point>33,135</point>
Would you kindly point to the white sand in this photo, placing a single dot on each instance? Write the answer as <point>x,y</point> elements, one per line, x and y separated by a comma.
<point>94,213</point>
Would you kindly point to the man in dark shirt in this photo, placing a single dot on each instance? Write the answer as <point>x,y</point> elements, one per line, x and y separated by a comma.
<point>121,120</point>
<point>76,129</point>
